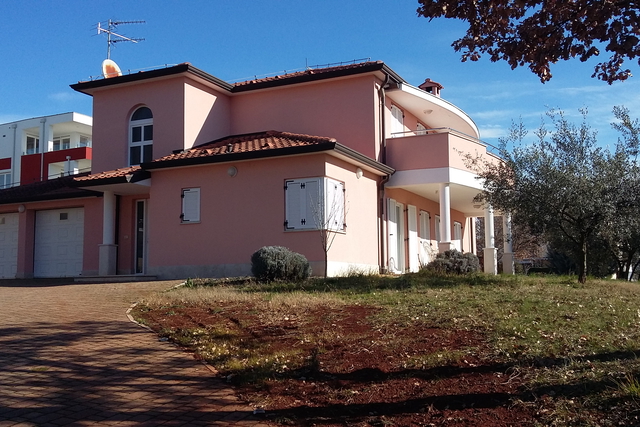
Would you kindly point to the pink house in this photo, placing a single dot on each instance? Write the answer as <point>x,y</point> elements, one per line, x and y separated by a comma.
<point>191,175</point>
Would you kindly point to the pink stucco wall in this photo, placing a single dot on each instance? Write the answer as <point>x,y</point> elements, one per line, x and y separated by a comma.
<point>207,114</point>
<point>243,213</point>
<point>359,245</point>
<point>183,115</point>
<point>344,109</point>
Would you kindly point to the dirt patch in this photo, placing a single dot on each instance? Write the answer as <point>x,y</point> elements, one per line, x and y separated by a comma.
<point>357,373</point>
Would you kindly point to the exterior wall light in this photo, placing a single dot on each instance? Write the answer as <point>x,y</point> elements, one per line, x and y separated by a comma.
<point>232,171</point>
<point>359,173</point>
<point>21,208</point>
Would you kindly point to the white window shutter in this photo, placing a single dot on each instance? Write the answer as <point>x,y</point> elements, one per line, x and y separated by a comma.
<point>412,224</point>
<point>313,204</point>
<point>303,203</point>
<point>190,205</point>
<point>392,231</point>
<point>397,123</point>
<point>334,205</point>
<point>293,204</point>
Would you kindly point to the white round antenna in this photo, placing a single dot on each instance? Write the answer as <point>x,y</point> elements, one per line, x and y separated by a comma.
<point>110,69</point>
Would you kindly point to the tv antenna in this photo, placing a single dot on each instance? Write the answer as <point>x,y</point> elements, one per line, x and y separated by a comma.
<point>113,37</point>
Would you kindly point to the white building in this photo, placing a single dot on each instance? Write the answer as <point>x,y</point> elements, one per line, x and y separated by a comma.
<point>41,148</point>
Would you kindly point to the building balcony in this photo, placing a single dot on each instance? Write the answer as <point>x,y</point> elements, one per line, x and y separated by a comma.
<point>425,159</point>
<point>53,164</point>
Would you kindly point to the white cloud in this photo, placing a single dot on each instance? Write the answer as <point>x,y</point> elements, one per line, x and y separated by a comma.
<point>493,132</point>
<point>62,96</point>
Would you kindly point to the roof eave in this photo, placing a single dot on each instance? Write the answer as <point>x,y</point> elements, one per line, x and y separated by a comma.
<point>285,81</point>
<point>132,178</point>
<point>89,86</point>
<point>231,157</point>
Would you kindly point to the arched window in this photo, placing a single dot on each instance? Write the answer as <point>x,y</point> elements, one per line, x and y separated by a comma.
<point>141,136</point>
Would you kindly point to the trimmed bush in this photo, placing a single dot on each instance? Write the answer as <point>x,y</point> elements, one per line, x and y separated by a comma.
<point>454,262</point>
<point>271,263</point>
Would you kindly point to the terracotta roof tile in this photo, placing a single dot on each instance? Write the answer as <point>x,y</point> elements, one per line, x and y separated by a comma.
<point>308,72</point>
<point>109,174</point>
<point>249,143</point>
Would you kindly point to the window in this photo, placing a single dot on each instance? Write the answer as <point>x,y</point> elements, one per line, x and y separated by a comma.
<point>314,204</point>
<point>425,231</point>
<point>457,236</point>
<point>85,141</point>
<point>61,143</point>
<point>5,179</point>
<point>33,144</point>
<point>190,205</point>
<point>397,123</point>
<point>141,137</point>
<point>421,129</point>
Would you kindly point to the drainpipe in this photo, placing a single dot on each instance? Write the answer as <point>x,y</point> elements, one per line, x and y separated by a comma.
<point>382,229</point>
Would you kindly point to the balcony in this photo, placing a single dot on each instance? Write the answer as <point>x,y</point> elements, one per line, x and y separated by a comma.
<point>425,159</point>
<point>53,164</point>
<point>435,148</point>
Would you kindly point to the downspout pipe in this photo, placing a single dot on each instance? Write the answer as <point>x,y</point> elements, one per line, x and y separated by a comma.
<point>382,229</point>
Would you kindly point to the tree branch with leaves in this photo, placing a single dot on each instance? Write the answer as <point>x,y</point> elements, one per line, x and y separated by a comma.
<point>538,33</point>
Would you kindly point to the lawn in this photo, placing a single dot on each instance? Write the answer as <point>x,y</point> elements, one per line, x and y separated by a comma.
<point>417,349</point>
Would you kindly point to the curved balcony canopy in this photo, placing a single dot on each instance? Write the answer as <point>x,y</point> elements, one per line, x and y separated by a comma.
<point>432,109</point>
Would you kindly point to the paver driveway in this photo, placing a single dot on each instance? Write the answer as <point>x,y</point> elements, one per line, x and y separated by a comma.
<point>70,356</point>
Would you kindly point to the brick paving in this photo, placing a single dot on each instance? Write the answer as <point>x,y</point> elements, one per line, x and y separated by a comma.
<point>69,356</point>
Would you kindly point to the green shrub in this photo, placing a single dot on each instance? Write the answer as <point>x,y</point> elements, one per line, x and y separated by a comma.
<point>271,263</point>
<point>454,262</point>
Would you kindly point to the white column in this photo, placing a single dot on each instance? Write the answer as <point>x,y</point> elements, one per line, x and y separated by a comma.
<point>108,248</point>
<point>445,218</point>
<point>490,252</point>
<point>507,257</point>
<point>43,146</point>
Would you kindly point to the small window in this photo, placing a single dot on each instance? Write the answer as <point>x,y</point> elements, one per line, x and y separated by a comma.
<point>421,129</point>
<point>5,179</point>
<point>61,143</point>
<point>141,137</point>
<point>425,231</point>
<point>64,216</point>
<point>85,141</point>
<point>397,123</point>
<point>190,205</point>
<point>33,144</point>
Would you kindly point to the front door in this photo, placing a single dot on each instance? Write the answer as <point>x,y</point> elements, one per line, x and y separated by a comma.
<point>141,237</point>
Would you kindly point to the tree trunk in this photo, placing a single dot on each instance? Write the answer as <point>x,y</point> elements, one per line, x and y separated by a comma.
<point>582,264</point>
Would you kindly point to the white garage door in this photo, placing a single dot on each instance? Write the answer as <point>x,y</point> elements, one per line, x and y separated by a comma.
<point>58,243</point>
<point>8,245</point>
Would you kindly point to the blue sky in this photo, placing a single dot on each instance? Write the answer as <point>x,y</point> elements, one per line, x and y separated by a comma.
<point>47,45</point>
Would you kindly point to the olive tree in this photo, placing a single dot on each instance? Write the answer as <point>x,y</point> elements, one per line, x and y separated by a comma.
<point>565,184</point>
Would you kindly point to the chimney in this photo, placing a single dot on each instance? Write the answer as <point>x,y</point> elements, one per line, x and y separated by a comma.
<point>431,87</point>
